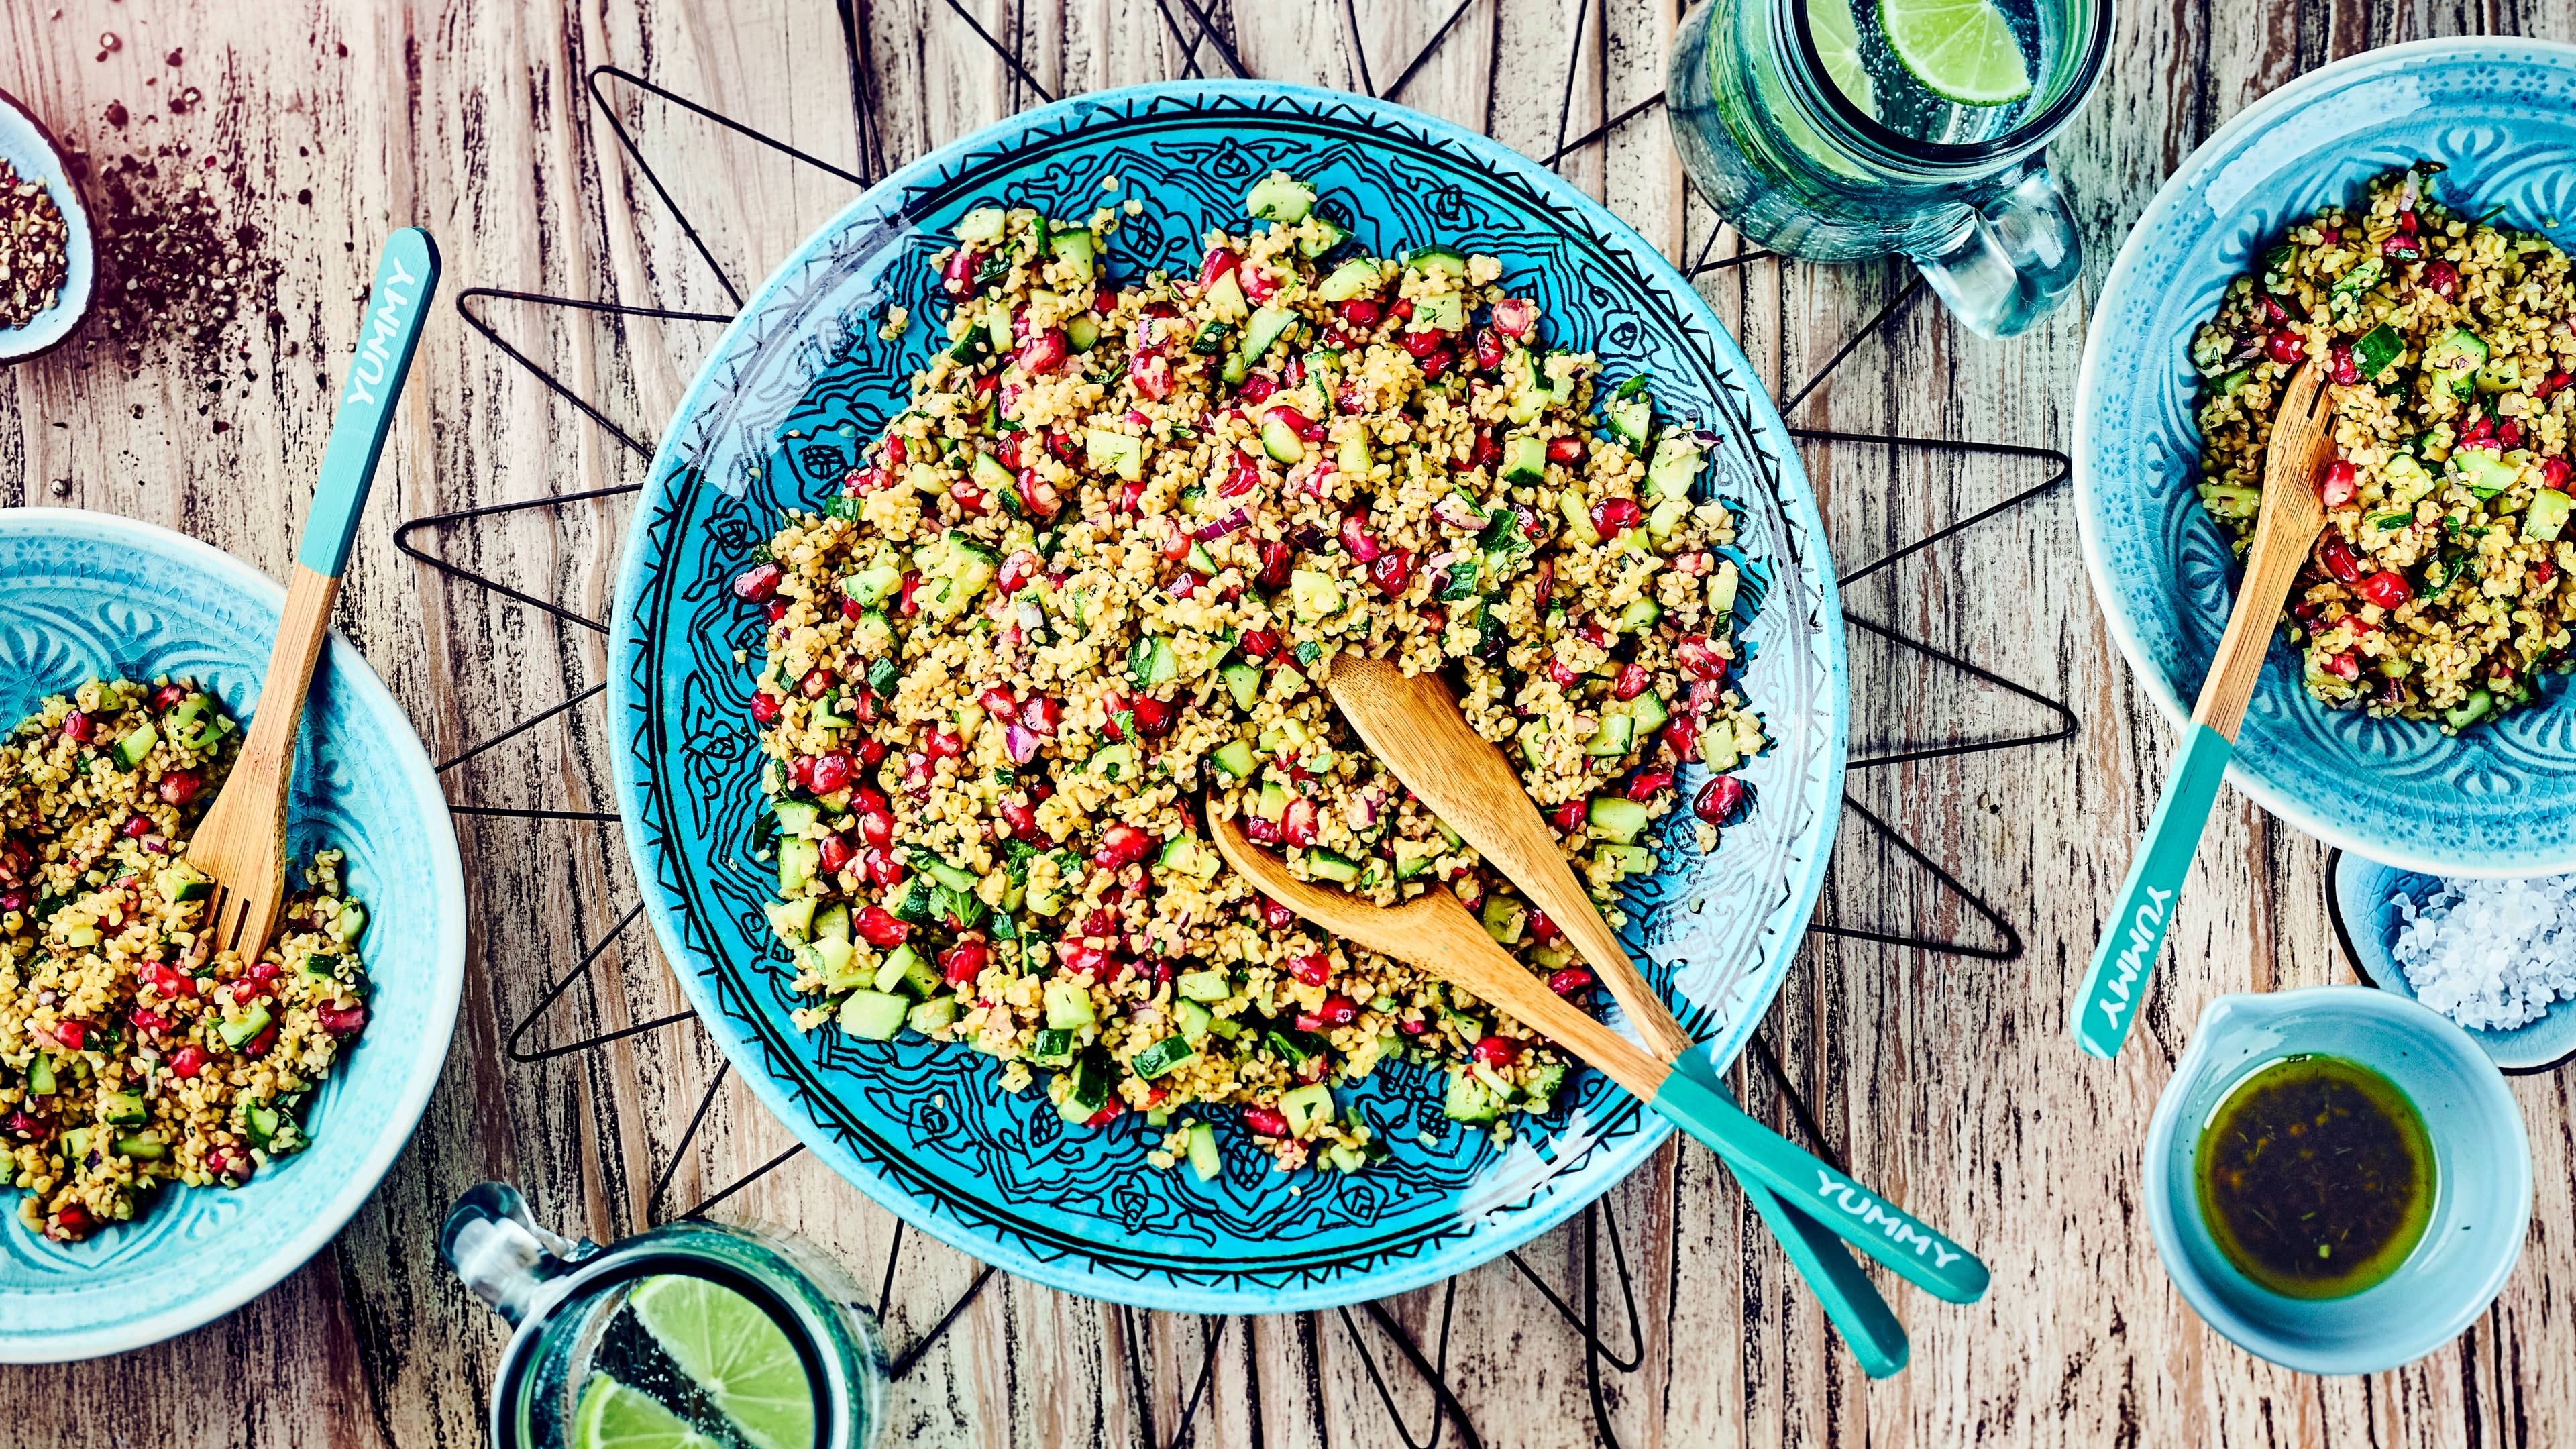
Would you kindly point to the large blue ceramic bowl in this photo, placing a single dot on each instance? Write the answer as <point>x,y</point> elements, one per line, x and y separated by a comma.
<point>801,382</point>
<point>89,595</point>
<point>2500,114</point>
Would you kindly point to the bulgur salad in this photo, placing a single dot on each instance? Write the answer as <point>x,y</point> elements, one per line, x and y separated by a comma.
<point>130,1055</point>
<point>1085,587</point>
<point>2440,587</point>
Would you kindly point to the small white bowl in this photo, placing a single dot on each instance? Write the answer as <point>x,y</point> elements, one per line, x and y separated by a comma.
<point>26,145</point>
<point>2481,1189</point>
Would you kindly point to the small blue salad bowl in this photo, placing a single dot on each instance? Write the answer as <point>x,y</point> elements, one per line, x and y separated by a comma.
<point>2500,116</point>
<point>2482,1178</point>
<point>2361,898</point>
<point>90,595</point>
<point>27,146</point>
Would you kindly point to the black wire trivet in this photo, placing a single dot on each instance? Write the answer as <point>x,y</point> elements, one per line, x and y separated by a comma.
<point>1596,1221</point>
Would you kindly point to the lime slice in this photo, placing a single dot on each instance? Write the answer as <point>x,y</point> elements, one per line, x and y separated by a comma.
<point>735,1352</point>
<point>1962,50</point>
<point>613,1416</point>
<point>1838,49</point>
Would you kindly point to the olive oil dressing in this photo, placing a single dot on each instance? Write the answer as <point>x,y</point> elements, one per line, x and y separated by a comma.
<point>2316,1177</point>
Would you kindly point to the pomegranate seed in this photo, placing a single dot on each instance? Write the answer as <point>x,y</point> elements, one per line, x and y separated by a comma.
<point>998,703</point>
<point>1360,313</point>
<point>1081,958</point>
<point>1420,344</point>
<point>1563,673</point>
<point>816,682</point>
<point>2386,588</point>
<point>1276,560</point>
<point>135,827</point>
<point>1543,930</point>
<point>167,697</point>
<point>1497,1052</point>
<point>2442,279</point>
<point>1514,317</point>
<point>884,871</point>
<point>1264,1122</point>
<point>342,1020</point>
<point>1215,264</point>
<point>1356,537</point>
<point>1276,916</point>
<point>1131,497</point>
<point>1392,570</point>
<point>1489,349</point>
<point>1153,717</point>
<point>2403,247</point>
<point>1017,570</point>
<point>1402,311</point>
<point>1314,968</point>
<point>1488,451</point>
<point>187,1061</point>
<point>834,853</point>
<point>1122,845</point>
<point>908,605</point>
<point>1021,816</point>
<point>1260,643</point>
<point>876,827</point>
<point>2273,311</point>
<point>70,1034</point>
<point>1437,363</point>
<point>1151,375</point>
<point>1567,818</point>
<point>180,786</point>
<point>1042,714</point>
<point>1297,822</point>
<point>2555,473</point>
<point>1338,1010</point>
<point>2344,666</point>
<point>76,726</point>
<point>2552,384</point>
<point>2340,483</point>
<point>774,610</point>
<point>2340,368</point>
<point>1698,658</point>
<point>960,964</point>
<point>943,744</point>
<point>1350,397</point>
<point>1258,387</point>
<point>1043,353</point>
<point>1719,799</point>
<point>1038,494</point>
<point>957,274</point>
<point>1614,516</point>
<point>755,584</point>
<point>872,753</point>
<point>1261,831</point>
<point>2287,347</point>
<point>1568,450</point>
<point>1645,785</point>
<point>878,927</point>
<point>2509,433</point>
<point>1569,981</point>
<point>833,772</point>
<point>2542,571</point>
<point>1632,681</point>
<point>2337,556</point>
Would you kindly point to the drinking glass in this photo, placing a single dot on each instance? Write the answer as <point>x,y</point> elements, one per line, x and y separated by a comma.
<point>1804,128</point>
<point>664,1337</point>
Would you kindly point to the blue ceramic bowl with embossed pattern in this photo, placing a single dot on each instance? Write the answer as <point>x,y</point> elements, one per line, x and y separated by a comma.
<point>797,386</point>
<point>86,595</point>
<point>2500,115</point>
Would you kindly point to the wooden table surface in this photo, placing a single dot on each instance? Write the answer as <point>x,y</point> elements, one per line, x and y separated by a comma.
<point>1947,1080</point>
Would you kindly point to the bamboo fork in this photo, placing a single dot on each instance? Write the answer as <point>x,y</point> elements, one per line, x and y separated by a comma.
<point>240,845</point>
<point>2293,514</point>
<point>1433,931</point>
<point>1413,724</point>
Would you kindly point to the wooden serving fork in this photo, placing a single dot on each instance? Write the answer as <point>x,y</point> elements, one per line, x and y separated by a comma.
<point>2292,516</point>
<point>241,844</point>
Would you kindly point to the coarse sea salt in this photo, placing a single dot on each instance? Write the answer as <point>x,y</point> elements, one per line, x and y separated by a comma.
<point>2490,954</point>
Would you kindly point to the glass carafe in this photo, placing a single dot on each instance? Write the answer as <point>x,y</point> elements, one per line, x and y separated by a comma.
<point>1808,130</point>
<point>692,1334</point>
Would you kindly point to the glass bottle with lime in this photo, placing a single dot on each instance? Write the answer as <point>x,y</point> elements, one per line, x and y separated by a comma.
<point>689,1336</point>
<point>1842,129</point>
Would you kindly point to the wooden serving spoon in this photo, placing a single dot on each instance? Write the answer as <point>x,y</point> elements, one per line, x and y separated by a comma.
<point>1413,724</point>
<point>2287,527</point>
<point>1434,932</point>
<point>241,844</point>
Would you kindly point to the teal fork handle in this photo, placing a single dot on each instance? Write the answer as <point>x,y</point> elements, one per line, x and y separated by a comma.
<point>406,274</point>
<point>1851,1302</point>
<point>1895,1237</point>
<point>2107,1004</point>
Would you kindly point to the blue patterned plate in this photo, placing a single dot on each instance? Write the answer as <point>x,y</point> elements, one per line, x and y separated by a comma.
<point>800,382</point>
<point>2501,114</point>
<point>90,594</point>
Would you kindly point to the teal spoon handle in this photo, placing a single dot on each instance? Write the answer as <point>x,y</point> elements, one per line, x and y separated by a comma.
<point>1698,1104</point>
<point>2107,1004</point>
<point>406,275</point>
